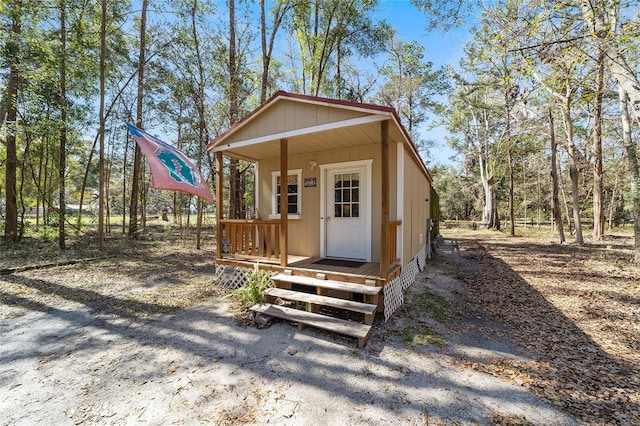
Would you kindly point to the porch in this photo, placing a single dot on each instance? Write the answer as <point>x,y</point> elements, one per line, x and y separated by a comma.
<point>351,287</point>
<point>247,242</point>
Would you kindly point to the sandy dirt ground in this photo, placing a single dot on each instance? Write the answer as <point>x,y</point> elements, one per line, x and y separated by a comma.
<point>69,362</point>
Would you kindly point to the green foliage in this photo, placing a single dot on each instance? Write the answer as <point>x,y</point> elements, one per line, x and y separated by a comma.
<point>251,291</point>
<point>327,32</point>
<point>421,334</point>
<point>459,194</point>
<point>434,306</point>
<point>519,58</point>
<point>412,84</point>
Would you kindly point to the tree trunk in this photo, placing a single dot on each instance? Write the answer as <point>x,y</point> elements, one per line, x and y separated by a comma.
<point>233,66</point>
<point>564,198</point>
<point>490,213</point>
<point>177,196</point>
<point>489,208</point>
<point>137,158</point>
<point>266,58</point>
<point>108,167</point>
<point>495,217</point>
<point>573,174</point>
<point>512,217</point>
<point>45,186</point>
<point>595,14</point>
<point>234,189</point>
<point>598,212</point>
<point>11,201</point>
<point>40,195</point>
<point>124,184</point>
<point>62,164</point>
<point>555,206</point>
<point>106,113</point>
<point>634,172</point>
<point>144,190</point>
<point>573,165</point>
<point>279,11</point>
<point>101,178</point>
<point>234,172</point>
<point>87,170</point>
<point>20,193</point>
<point>612,203</point>
<point>203,134</point>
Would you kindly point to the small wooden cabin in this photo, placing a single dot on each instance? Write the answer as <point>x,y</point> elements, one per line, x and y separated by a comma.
<point>352,228</point>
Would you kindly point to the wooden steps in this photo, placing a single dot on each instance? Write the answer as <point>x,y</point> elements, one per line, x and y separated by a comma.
<point>348,328</point>
<point>367,309</point>
<point>312,317</point>
<point>327,284</point>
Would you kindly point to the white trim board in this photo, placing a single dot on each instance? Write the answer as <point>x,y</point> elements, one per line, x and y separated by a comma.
<point>324,168</point>
<point>303,131</point>
<point>400,198</point>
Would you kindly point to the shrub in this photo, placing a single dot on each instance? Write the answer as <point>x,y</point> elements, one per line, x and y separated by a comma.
<point>251,291</point>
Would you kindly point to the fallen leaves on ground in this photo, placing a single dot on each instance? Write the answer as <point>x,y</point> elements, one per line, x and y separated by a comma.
<point>575,308</point>
<point>132,278</point>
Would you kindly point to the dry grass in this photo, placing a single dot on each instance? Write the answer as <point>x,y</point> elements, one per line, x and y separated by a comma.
<point>156,273</point>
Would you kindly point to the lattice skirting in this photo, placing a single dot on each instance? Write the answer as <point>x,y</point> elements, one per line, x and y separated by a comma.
<point>394,291</point>
<point>230,277</point>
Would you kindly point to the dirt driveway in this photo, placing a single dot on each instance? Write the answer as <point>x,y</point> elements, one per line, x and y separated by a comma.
<point>76,351</point>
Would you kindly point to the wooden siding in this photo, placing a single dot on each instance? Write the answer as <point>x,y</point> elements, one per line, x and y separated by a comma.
<point>416,208</point>
<point>304,233</point>
<point>288,115</point>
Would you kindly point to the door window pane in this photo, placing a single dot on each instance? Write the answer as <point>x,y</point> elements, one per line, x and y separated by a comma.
<point>346,200</point>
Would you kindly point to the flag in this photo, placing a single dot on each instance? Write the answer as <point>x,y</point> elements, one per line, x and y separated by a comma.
<point>170,168</point>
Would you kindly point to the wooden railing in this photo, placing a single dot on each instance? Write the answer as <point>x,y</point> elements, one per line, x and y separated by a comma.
<point>251,237</point>
<point>393,241</point>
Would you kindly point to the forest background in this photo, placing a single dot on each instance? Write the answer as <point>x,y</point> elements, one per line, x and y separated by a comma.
<point>542,110</point>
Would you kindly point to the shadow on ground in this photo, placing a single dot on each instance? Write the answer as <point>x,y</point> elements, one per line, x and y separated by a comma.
<point>595,384</point>
<point>82,357</point>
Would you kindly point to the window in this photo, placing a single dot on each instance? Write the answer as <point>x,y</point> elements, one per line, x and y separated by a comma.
<point>293,193</point>
<point>347,195</point>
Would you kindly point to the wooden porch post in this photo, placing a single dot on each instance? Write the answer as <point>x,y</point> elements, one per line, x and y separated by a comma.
<point>384,234</point>
<point>284,205</point>
<point>219,173</point>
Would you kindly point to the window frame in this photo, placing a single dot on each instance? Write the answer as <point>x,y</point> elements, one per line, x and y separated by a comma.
<point>275,214</point>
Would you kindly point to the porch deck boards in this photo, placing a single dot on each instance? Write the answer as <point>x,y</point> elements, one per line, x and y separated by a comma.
<point>370,270</point>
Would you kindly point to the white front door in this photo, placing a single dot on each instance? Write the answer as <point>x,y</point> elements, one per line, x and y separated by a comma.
<point>346,213</point>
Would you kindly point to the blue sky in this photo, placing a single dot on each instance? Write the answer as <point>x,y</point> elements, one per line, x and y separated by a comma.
<point>440,48</point>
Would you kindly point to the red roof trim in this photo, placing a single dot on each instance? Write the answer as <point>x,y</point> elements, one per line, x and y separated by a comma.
<point>337,102</point>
